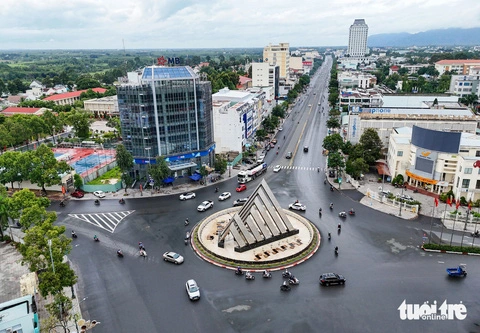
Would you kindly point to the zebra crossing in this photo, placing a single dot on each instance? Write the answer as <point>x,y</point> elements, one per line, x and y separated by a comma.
<point>294,167</point>
<point>106,221</point>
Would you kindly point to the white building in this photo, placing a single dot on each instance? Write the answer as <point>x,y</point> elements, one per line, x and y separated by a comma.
<point>463,85</point>
<point>266,75</point>
<point>460,66</point>
<point>357,39</point>
<point>236,117</point>
<point>437,161</point>
<point>354,79</point>
<point>101,107</point>
<point>278,55</point>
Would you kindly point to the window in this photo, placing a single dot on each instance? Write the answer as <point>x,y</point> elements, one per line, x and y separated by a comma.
<point>478,185</point>
<point>468,171</point>
<point>465,183</point>
<point>400,153</point>
<point>477,153</point>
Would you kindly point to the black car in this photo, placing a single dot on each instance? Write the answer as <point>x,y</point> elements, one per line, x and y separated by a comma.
<point>305,149</point>
<point>239,202</point>
<point>331,278</point>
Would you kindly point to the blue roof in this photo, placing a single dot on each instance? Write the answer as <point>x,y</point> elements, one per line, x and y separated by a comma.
<point>161,73</point>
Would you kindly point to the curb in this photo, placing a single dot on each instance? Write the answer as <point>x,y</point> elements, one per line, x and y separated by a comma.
<point>450,252</point>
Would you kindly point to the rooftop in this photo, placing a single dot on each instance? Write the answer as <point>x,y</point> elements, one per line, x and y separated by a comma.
<point>169,73</point>
<point>458,61</point>
<point>72,94</point>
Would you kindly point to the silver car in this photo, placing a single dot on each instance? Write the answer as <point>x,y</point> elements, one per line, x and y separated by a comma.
<point>186,196</point>
<point>192,290</point>
<point>173,257</point>
<point>205,205</point>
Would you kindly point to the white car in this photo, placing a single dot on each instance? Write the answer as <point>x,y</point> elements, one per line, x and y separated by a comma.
<point>205,205</point>
<point>173,257</point>
<point>99,194</point>
<point>280,128</point>
<point>277,168</point>
<point>186,196</point>
<point>297,206</point>
<point>192,290</point>
<point>224,196</point>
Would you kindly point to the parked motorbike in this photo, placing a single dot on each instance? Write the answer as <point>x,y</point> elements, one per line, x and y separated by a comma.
<point>293,281</point>
<point>187,222</point>
<point>120,253</point>
<point>249,276</point>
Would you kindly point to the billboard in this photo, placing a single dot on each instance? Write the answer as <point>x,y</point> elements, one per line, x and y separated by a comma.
<point>446,142</point>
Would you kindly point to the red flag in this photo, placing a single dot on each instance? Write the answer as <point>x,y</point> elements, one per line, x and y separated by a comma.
<point>469,205</point>
<point>436,202</point>
<point>457,204</point>
<point>450,201</point>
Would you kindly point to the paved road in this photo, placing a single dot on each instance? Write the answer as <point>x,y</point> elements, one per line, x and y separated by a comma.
<point>379,255</point>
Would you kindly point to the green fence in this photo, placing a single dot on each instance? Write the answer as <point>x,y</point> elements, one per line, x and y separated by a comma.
<point>105,188</point>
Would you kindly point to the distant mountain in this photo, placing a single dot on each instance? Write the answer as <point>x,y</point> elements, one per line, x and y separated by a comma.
<point>439,37</point>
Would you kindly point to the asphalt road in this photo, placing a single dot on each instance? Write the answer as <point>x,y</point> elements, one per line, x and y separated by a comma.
<point>379,255</point>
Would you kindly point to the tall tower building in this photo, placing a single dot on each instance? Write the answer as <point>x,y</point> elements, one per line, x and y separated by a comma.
<point>357,39</point>
<point>278,55</point>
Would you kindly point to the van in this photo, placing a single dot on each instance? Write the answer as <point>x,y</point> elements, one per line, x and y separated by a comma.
<point>260,158</point>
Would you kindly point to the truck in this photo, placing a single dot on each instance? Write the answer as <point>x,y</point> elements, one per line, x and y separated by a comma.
<point>457,271</point>
<point>251,173</point>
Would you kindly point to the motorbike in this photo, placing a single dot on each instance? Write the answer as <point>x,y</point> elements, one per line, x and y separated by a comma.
<point>249,276</point>
<point>475,234</point>
<point>96,239</point>
<point>293,281</point>
<point>121,201</point>
<point>329,236</point>
<point>286,274</point>
<point>339,227</point>
<point>266,275</point>
<point>325,181</point>
<point>331,188</point>
<point>320,212</point>
<point>74,235</point>
<point>331,206</point>
<point>336,250</point>
<point>238,272</point>
<point>216,189</point>
<point>97,202</point>
<point>351,212</point>
<point>120,253</point>
<point>62,203</point>
<point>140,246</point>
<point>285,287</point>
<point>186,222</point>
<point>143,253</point>
<point>342,214</point>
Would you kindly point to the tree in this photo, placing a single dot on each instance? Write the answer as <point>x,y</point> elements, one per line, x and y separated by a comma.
<point>356,168</point>
<point>4,214</point>
<point>370,141</point>
<point>60,313</point>
<point>204,173</point>
<point>159,171</point>
<point>333,122</point>
<point>25,202</point>
<point>125,163</point>
<point>80,121</point>
<point>77,181</point>
<point>220,164</point>
<point>53,124</point>
<point>11,167</point>
<point>336,161</point>
<point>278,111</point>
<point>260,134</point>
<point>44,169</point>
<point>333,142</point>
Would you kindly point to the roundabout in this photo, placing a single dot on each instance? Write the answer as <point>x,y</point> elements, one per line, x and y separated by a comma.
<point>259,235</point>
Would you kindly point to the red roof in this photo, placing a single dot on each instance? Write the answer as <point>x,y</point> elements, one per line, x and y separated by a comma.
<point>18,110</point>
<point>394,68</point>
<point>243,79</point>
<point>458,62</point>
<point>72,94</point>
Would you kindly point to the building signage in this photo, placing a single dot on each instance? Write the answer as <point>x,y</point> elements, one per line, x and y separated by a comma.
<point>380,110</point>
<point>161,61</point>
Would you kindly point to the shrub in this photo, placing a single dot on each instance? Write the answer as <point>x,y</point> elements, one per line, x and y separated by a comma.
<point>443,247</point>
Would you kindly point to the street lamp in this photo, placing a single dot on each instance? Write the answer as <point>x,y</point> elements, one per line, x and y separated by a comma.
<point>400,204</point>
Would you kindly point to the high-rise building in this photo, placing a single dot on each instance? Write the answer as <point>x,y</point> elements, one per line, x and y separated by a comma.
<point>278,55</point>
<point>167,112</point>
<point>357,39</point>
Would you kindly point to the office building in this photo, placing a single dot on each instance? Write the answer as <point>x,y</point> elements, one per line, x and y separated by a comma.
<point>357,39</point>
<point>167,112</point>
<point>278,55</point>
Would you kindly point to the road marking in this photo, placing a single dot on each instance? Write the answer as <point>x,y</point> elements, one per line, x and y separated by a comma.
<point>106,221</point>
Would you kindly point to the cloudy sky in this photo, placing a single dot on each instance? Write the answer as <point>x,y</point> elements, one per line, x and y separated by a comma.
<point>100,24</point>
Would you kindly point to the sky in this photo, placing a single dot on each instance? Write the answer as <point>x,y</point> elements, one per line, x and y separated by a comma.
<point>166,24</point>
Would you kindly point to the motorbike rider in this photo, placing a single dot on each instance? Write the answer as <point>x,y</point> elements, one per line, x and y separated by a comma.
<point>140,246</point>
<point>329,236</point>
<point>265,272</point>
<point>74,235</point>
<point>119,252</point>
<point>216,189</point>
<point>95,237</point>
<point>121,201</point>
<point>352,211</point>
<point>239,270</point>
<point>331,205</point>
<point>186,221</point>
<point>339,226</point>
<point>97,202</point>
<point>336,249</point>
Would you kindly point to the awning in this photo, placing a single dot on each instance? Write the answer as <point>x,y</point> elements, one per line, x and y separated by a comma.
<point>196,177</point>
<point>420,178</point>
<point>442,183</point>
<point>382,169</point>
<point>168,180</point>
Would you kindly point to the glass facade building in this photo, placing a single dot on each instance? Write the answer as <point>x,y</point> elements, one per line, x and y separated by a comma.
<point>168,113</point>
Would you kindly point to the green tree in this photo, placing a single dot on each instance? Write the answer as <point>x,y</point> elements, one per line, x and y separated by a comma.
<point>26,202</point>
<point>44,169</point>
<point>77,181</point>
<point>336,161</point>
<point>4,214</point>
<point>220,164</point>
<point>11,167</point>
<point>333,142</point>
<point>80,121</point>
<point>371,142</point>
<point>204,172</point>
<point>260,134</point>
<point>469,100</point>
<point>278,111</point>
<point>53,124</point>
<point>159,171</point>
<point>333,122</point>
<point>60,311</point>
<point>125,163</point>
<point>356,168</point>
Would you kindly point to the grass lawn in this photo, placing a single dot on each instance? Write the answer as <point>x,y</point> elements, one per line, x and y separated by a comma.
<point>115,173</point>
